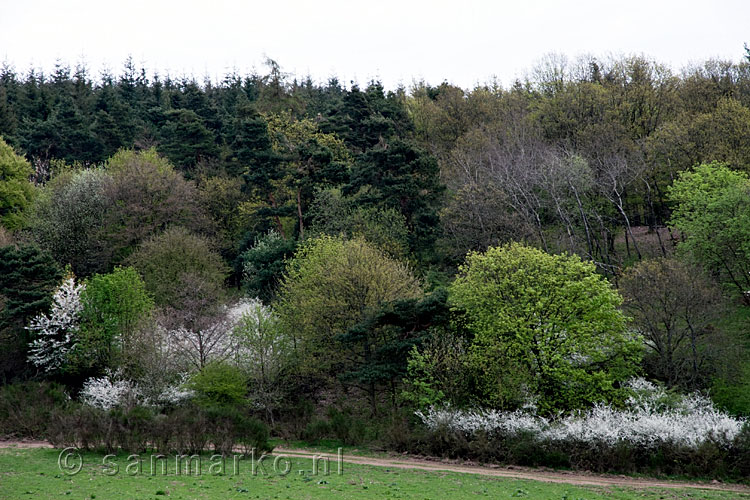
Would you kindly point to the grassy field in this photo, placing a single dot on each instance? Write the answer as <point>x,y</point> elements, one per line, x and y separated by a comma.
<point>34,473</point>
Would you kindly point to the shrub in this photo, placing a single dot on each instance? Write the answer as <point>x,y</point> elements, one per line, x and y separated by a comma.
<point>25,408</point>
<point>56,335</point>
<point>136,429</point>
<point>648,421</point>
<point>109,392</point>
<point>654,433</point>
<point>219,385</point>
<point>230,427</point>
<point>342,426</point>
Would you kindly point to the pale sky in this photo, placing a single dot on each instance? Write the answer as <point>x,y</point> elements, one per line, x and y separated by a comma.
<point>398,41</point>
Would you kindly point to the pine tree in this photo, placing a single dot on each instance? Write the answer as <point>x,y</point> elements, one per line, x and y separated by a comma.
<point>27,278</point>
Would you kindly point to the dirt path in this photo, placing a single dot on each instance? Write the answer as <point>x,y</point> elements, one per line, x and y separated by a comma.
<point>406,462</point>
<point>575,478</point>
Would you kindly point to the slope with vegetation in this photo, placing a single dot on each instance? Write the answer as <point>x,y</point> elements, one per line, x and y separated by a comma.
<point>187,265</point>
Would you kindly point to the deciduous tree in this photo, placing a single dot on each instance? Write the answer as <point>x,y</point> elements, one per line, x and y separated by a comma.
<point>15,189</point>
<point>550,316</point>
<point>675,306</point>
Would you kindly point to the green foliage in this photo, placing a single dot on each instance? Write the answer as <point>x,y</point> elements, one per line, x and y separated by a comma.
<point>363,118</point>
<point>577,158</point>
<point>231,427</point>
<point>331,285</point>
<point>26,408</point>
<point>545,324</point>
<point>439,372</point>
<point>219,385</point>
<point>185,140</point>
<point>254,157</point>
<point>379,345</point>
<point>114,306</point>
<point>335,215</point>
<point>16,191</point>
<point>165,259</point>
<point>720,135</point>
<point>147,196</point>
<point>734,395</point>
<point>220,198</point>
<point>712,208</point>
<point>312,160</point>
<point>400,176</point>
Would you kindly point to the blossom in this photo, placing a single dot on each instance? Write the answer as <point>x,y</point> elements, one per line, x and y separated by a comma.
<point>55,334</point>
<point>114,390</point>
<point>647,421</point>
<point>108,392</point>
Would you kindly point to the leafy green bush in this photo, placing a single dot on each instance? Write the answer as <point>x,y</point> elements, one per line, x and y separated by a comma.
<point>219,385</point>
<point>165,259</point>
<point>185,430</point>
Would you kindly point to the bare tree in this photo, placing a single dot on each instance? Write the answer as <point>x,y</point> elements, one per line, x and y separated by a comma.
<point>196,324</point>
<point>674,306</point>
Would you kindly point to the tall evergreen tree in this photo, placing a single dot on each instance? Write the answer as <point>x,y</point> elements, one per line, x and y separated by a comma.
<point>27,278</point>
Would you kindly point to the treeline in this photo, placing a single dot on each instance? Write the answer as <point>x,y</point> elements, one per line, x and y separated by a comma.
<point>567,158</point>
<point>272,247</point>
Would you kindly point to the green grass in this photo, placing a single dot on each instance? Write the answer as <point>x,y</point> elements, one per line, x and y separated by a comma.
<point>35,474</point>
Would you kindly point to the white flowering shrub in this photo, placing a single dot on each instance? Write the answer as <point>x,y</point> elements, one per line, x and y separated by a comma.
<point>113,390</point>
<point>174,394</point>
<point>55,334</point>
<point>648,420</point>
<point>109,392</point>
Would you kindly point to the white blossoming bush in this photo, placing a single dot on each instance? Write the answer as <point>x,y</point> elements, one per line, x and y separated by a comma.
<point>109,392</point>
<point>56,334</point>
<point>113,390</point>
<point>649,420</point>
<point>168,394</point>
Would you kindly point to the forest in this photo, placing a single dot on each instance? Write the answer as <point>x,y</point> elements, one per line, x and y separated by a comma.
<point>551,273</point>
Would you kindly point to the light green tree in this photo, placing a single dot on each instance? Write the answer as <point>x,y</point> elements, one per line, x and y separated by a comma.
<point>262,352</point>
<point>115,305</point>
<point>15,189</point>
<point>544,325</point>
<point>712,209</point>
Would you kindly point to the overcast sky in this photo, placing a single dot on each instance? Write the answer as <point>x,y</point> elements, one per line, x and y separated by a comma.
<point>399,41</point>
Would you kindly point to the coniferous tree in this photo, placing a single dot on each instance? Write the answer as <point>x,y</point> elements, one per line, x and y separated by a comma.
<point>27,278</point>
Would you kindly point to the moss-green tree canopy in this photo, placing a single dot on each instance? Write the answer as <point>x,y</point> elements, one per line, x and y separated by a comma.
<point>331,285</point>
